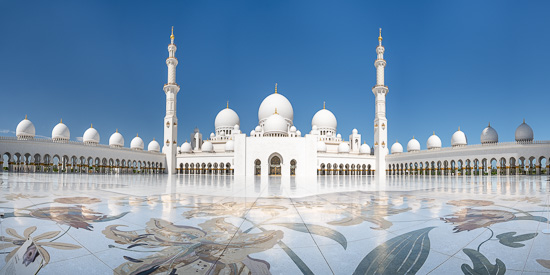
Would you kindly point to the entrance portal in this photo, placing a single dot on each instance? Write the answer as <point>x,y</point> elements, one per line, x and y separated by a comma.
<point>275,166</point>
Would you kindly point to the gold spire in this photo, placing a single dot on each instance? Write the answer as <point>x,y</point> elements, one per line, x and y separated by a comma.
<point>137,135</point>
<point>275,87</point>
<point>153,139</point>
<point>172,36</point>
<point>380,37</point>
<point>116,131</point>
<point>413,137</point>
<point>61,121</point>
<point>433,133</point>
<point>459,128</point>
<point>523,120</point>
<point>489,124</point>
<point>227,104</point>
<point>91,125</point>
<point>275,112</point>
<point>25,117</point>
<point>324,104</point>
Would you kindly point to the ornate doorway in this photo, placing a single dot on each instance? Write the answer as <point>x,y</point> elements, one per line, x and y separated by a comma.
<point>275,166</point>
<point>257,167</point>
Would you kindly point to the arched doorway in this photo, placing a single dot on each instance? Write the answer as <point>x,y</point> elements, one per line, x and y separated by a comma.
<point>275,166</point>
<point>293,167</point>
<point>257,167</point>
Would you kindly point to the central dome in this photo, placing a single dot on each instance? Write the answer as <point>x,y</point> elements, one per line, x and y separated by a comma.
<point>275,101</point>
<point>324,119</point>
<point>276,124</point>
<point>226,118</point>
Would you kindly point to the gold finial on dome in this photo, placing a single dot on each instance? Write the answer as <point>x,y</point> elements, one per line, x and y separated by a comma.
<point>25,117</point>
<point>523,120</point>
<point>489,124</point>
<point>433,133</point>
<point>227,107</point>
<point>153,139</point>
<point>61,121</point>
<point>275,112</point>
<point>172,36</point>
<point>91,125</point>
<point>275,87</point>
<point>116,130</point>
<point>459,128</point>
<point>324,104</point>
<point>413,137</point>
<point>380,37</point>
<point>137,135</point>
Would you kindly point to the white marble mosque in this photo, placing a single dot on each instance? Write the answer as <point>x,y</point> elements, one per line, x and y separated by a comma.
<point>275,146</point>
<point>275,201</point>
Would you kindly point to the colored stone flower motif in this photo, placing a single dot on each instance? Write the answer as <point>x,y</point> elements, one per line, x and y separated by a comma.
<point>77,216</point>
<point>18,240</point>
<point>18,196</point>
<point>231,209</point>
<point>470,203</point>
<point>356,213</point>
<point>77,200</point>
<point>217,247</point>
<point>469,219</point>
<point>137,201</point>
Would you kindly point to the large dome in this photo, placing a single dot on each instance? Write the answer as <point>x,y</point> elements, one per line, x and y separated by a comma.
<point>413,145</point>
<point>524,132</point>
<point>226,118</point>
<point>364,149</point>
<point>433,142</point>
<point>207,147</point>
<point>397,148</point>
<point>489,135</point>
<point>321,146</point>
<point>116,140</point>
<point>459,139</point>
<point>275,124</point>
<point>186,147</point>
<point>324,119</point>
<point>137,143</point>
<point>153,146</point>
<point>91,136</point>
<point>61,132</point>
<point>275,101</point>
<point>25,129</point>
<point>343,148</point>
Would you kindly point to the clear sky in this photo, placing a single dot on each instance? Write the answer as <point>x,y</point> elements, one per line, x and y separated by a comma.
<point>449,64</point>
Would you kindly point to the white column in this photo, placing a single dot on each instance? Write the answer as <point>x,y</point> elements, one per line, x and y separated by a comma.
<point>380,122</point>
<point>170,125</point>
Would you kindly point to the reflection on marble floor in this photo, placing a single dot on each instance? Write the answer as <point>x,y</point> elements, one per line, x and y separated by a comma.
<point>202,224</point>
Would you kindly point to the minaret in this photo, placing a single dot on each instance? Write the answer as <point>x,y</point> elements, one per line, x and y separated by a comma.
<point>170,120</point>
<point>380,121</point>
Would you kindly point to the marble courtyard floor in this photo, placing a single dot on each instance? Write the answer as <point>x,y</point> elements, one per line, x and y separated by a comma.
<point>213,224</point>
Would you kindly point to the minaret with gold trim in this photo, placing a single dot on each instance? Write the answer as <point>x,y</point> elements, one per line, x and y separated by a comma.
<point>380,122</point>
<point>171,89</point>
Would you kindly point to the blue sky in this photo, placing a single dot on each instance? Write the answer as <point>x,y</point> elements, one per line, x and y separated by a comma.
<point>449,64</point>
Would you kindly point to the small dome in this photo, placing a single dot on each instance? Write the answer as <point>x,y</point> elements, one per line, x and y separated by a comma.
<point>524,132</point>
<point>207,147</point>
<point>222,134</point>
<point>272,102</point>
<point>433,142</point>
<point>61,132</point>
<point>354,131</point>
<point>413,145</point>
<point>275,124</point>
<point>343,148</point>
<point>116,140</point>
<point>186,147</point>
<point>364,149</point>
<point>137,143</point>
<point>314,130</point>
<point>321,146</point>
<point>459,139</point>
<point>298,133</point>
<point>338,136</point>
<point>252,133</point>
<point>258,129</point>
<point>91,136</point>
<point>25,129</point>
<point>226,118</point>
<point>153,146</point>
<point>397,148</point>
<point>293,128</point>
<point>236,127</point>
<point>212,135</point>
<point>230,146</point>
<point>489,135</point>
<point>324,119</point>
